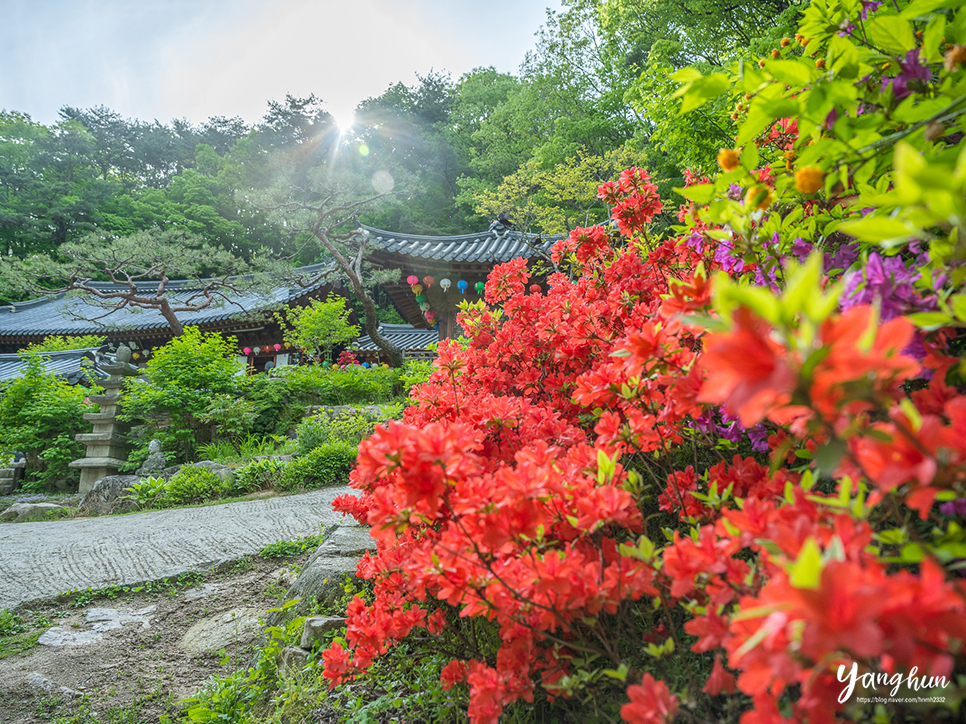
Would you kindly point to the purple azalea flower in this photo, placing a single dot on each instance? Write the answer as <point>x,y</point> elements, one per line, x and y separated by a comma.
<point>911,71</point>
<point>759,438</point>
<point>869,7</point>
<point>723,255</point>
<point>696,242</point>
<point>845,257</point>
<point>801,249</point>
<point>954,507</point>
<point>887,280</point>
<point>735,192</point>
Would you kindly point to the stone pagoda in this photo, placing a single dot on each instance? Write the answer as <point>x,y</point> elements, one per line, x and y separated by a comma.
<point>107,444</point>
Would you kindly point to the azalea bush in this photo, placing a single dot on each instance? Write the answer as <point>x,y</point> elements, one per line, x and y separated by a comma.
<point>717,476</point>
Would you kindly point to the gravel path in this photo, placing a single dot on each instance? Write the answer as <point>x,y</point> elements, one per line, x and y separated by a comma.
<point>38,560</point>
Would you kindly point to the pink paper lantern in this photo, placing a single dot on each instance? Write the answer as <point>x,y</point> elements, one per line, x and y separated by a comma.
<point>428,281</point>
<point>430,315</point>
<point>247,350</point>
<point>412,279</point>
<point>278,347</point>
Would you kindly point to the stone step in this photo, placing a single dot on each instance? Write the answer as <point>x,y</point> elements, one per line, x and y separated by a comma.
<point>100,416</point>
<point>105,437</point>
<point>7,473</point>
<point>97,463</point>
<point>104,399</point>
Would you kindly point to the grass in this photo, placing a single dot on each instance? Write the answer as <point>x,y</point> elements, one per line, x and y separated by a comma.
<point>287,548</point>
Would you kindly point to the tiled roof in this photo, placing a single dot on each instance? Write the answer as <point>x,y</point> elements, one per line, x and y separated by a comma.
<point>66,364</point>
<point>70,314</point>
<point>497,245</point>
<point>407,337</point>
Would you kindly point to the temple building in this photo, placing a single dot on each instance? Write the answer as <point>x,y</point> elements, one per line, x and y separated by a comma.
<point>437,272</point>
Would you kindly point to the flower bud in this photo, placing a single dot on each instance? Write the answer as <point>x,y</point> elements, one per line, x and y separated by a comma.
<point>728,159</point>
<point>809,179</point>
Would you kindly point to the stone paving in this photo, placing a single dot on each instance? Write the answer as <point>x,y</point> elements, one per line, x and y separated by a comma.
<point>38,560</point>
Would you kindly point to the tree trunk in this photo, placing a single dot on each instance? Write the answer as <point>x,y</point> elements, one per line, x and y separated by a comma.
<point>372,325</point>
<point>176,327</point>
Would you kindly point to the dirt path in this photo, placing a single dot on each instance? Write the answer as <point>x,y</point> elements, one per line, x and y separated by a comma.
<point>39,560</point>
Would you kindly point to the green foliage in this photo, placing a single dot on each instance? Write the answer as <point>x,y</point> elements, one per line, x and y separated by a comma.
<point>55,343</point>
<point>180,381</point>
<point>257,475</point>
<point>231,415</point>
<point>39,415</point>
<point>318,327</point>
<point>10,623</point>
<point>333,386</point>
<point>275,408</point>
<point>148,492</point>
<point>416,372</point>
<point>194,485</point>
<point>350,427</point>
<point>226,452</point>
<point>323,467</point>
<point>287,548</point>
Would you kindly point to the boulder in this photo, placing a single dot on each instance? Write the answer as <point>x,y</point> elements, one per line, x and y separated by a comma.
<point>315,626</point>
<point>322,577</point>
<point>24,512</point>
<point>222,471</point>
<point>105,496</point>
<point>239,626</point>
<point>170,471</point>
<point>37,680</point>
<point>292,659</point>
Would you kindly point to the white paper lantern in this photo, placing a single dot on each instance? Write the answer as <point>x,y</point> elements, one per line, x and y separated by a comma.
<point>445,284</point>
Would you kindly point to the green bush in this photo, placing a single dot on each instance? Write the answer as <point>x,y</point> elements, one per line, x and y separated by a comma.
<point>416,372</point>
<point>148,492</point>
<point>257,475</point>
<point>349,427</point>
<point>180,382</point>
<point>275,407</point>
<point>39,416</point>
<point>194,485</point>
<point>322,467</point>
<point>335,386</point>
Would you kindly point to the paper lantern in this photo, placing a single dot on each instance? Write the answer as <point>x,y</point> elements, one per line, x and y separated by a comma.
<point>534,288</point>
<point>424,306</point>
<point>287,345</point>
<point>462,284</point>
<point>366,365</point>
<point>136,355</point>
<point>445,284</point>
<point>428,281</point>
<point>278,347</point>
<point>257,350</point>
<point>420,298</point>
<point>430,315</point>
<point>480,286</point>
<point>247,350</point>
<point>412,279</point>
<point>418,288</point>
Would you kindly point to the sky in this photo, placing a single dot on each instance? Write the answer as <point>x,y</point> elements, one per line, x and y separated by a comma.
<point>194,59</point>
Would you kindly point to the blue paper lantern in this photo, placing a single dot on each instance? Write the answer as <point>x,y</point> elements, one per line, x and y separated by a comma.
<point>366,365</point>
<point>462,284</point>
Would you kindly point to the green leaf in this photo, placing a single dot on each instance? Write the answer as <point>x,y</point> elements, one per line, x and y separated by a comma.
<point>699,193</point>
<point>875,229</point>
<point>932,38</point>
<point>701,90</point>
<point>931,320</point>
<point>843,57</point>
<point>918,8</point>
<point>791,72</point>
<point>806,572</point>
<point>891,33</point>
<point>828,456</point>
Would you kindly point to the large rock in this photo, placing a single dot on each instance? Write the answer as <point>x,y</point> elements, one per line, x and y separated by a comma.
<point>237,627</point>
<point>24,512</point>
<point>105,496</point>
<point>323,575</point>
<point>315,626</point>
<point>222,471</point>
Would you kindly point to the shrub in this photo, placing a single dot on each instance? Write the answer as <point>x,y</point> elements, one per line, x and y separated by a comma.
<point>348,427</point>
<point>318,327</point>
<point>180,381</point>
<point>323,467</point>
<point>194,485</point>
<point>257,475</point>
<point>318,385</point>
<point>39,416</point>
<point>55,343</point>
<point>275,407</point>
<point>148,492</point>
